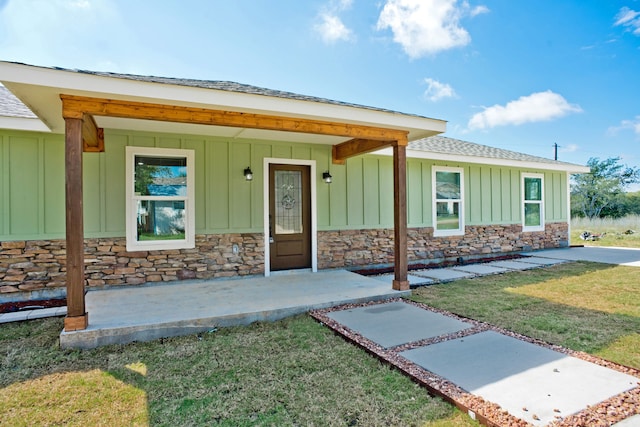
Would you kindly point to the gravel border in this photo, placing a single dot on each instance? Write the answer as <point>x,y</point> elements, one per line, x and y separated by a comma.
<point>603,414</point>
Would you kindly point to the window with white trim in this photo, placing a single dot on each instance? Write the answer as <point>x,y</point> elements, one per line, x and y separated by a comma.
<point>532,202</point>
<point>448,196</point>
<point>160,198</point>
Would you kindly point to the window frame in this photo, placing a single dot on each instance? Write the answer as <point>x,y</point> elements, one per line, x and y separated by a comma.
<point>461,228</point>
<point>133,244</point>
<point>523,202</point>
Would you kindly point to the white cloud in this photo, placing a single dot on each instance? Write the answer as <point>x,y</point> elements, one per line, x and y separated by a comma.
<point>424,27</point>
<point>80,4</point>
<point>629,18</point>
<point>437,90</point>
<point>571,148</point>
<point>634,125</point>
<point>537,107</point>
<point>479,10</point>
<point>332,29</point>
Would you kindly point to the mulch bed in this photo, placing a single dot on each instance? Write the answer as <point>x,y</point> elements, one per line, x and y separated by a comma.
<point>10,307</point>
<point>603,414</point>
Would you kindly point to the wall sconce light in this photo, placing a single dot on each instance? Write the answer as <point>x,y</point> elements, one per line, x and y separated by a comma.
<point>248,174</point>
<point>326,177</point>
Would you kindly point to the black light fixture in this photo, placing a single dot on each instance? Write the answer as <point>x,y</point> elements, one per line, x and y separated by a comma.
<point>326,177</point>
<point>248,174</point>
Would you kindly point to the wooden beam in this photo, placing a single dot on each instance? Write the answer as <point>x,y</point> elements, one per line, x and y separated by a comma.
<point>357,146</point>
<point>334,157</point>
<point>76,316</point>
<point>77,106</point>
<point>400,282</point>
<point>92,135</point>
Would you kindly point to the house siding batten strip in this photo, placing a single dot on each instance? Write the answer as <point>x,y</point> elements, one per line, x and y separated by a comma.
<point>77,317</point>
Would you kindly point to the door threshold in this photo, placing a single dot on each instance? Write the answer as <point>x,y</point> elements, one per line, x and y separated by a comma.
<point>294,271</point>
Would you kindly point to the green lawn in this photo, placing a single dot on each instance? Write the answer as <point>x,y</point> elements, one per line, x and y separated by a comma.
<point>297,372</point>
<point>292,372</point>
<point>583,306</point>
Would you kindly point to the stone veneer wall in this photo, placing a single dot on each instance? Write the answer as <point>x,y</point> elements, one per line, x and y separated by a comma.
<point>350,248</point>
<point>36,265</point>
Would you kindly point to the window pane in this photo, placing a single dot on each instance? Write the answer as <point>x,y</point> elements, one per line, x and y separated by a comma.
<point>532,216</point>
<point>448,216</point>
<point>161,220</point>
<point>447,185</point>
<point>533,189</point>
<point>160,176</point>
<point>288,200</point>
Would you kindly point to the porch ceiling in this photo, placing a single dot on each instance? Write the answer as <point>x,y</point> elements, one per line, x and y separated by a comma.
<point>210,130</point>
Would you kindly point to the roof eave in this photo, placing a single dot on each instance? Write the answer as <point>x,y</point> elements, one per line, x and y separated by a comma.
<point>23,123</point>
<point>22,79</point>
<point>551,166</point>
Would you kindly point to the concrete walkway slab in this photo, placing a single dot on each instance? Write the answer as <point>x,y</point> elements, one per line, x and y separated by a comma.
<point>480,269</point>
<point>539,261</point>
<point>396,323</point>
<point>513,265</point>
<point>145,313</point>
<point>47,312</point>
<point>15,316</point>
<point>413,279</point>
<point>443,274</point>
<point>621,256</point>
<point>629,422</point>
<point>525,379</point>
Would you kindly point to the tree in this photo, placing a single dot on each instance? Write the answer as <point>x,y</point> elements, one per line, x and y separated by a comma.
<point>631,203</point>
<point>603,188</point>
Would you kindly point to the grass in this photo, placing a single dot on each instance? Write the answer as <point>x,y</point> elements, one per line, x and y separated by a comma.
<point>297,372</point>
<point>583,306</point>
<point>614,228</point>
<point>292,372</point>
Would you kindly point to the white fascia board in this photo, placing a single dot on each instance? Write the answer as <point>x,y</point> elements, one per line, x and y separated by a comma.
<point>23,123</point>
<point>72,82</point>
<point>418,154</point>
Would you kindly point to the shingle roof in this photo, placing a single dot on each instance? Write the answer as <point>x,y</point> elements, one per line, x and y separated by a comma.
<point>232,87</point>
<point>450,146</point>
<point>10,106</point>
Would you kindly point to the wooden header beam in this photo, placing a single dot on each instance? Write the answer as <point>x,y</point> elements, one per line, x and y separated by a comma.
<point>77,106</point>
<point>358,146</point>
<point>92,135</point>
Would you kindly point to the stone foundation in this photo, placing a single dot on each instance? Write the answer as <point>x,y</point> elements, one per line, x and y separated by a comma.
<point>352,248</point>
<point>37,267</point>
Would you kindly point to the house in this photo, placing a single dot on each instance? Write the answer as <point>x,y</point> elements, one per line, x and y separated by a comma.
<point>113,179</point>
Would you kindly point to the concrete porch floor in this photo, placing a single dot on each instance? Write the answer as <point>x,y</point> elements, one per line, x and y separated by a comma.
<point>123,315</point>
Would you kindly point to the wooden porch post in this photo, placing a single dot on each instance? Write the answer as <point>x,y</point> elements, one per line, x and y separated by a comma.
<point>400,282</point>
<point>77,317</point>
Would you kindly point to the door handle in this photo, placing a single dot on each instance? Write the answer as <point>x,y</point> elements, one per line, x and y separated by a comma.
<point>271,240</point>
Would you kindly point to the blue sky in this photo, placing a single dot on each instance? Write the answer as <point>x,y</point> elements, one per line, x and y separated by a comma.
<point>520,75</point>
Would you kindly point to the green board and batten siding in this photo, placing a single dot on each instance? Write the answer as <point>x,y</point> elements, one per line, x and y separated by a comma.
<point>361,195</point>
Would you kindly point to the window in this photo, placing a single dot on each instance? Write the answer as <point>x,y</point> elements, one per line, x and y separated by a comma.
<point>160,199</point>
<point>532,202</point>
<point>448,210</point>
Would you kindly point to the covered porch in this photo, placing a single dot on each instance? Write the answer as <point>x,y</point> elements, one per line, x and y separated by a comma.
<point>81,105</point>
<point>149,312</point>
